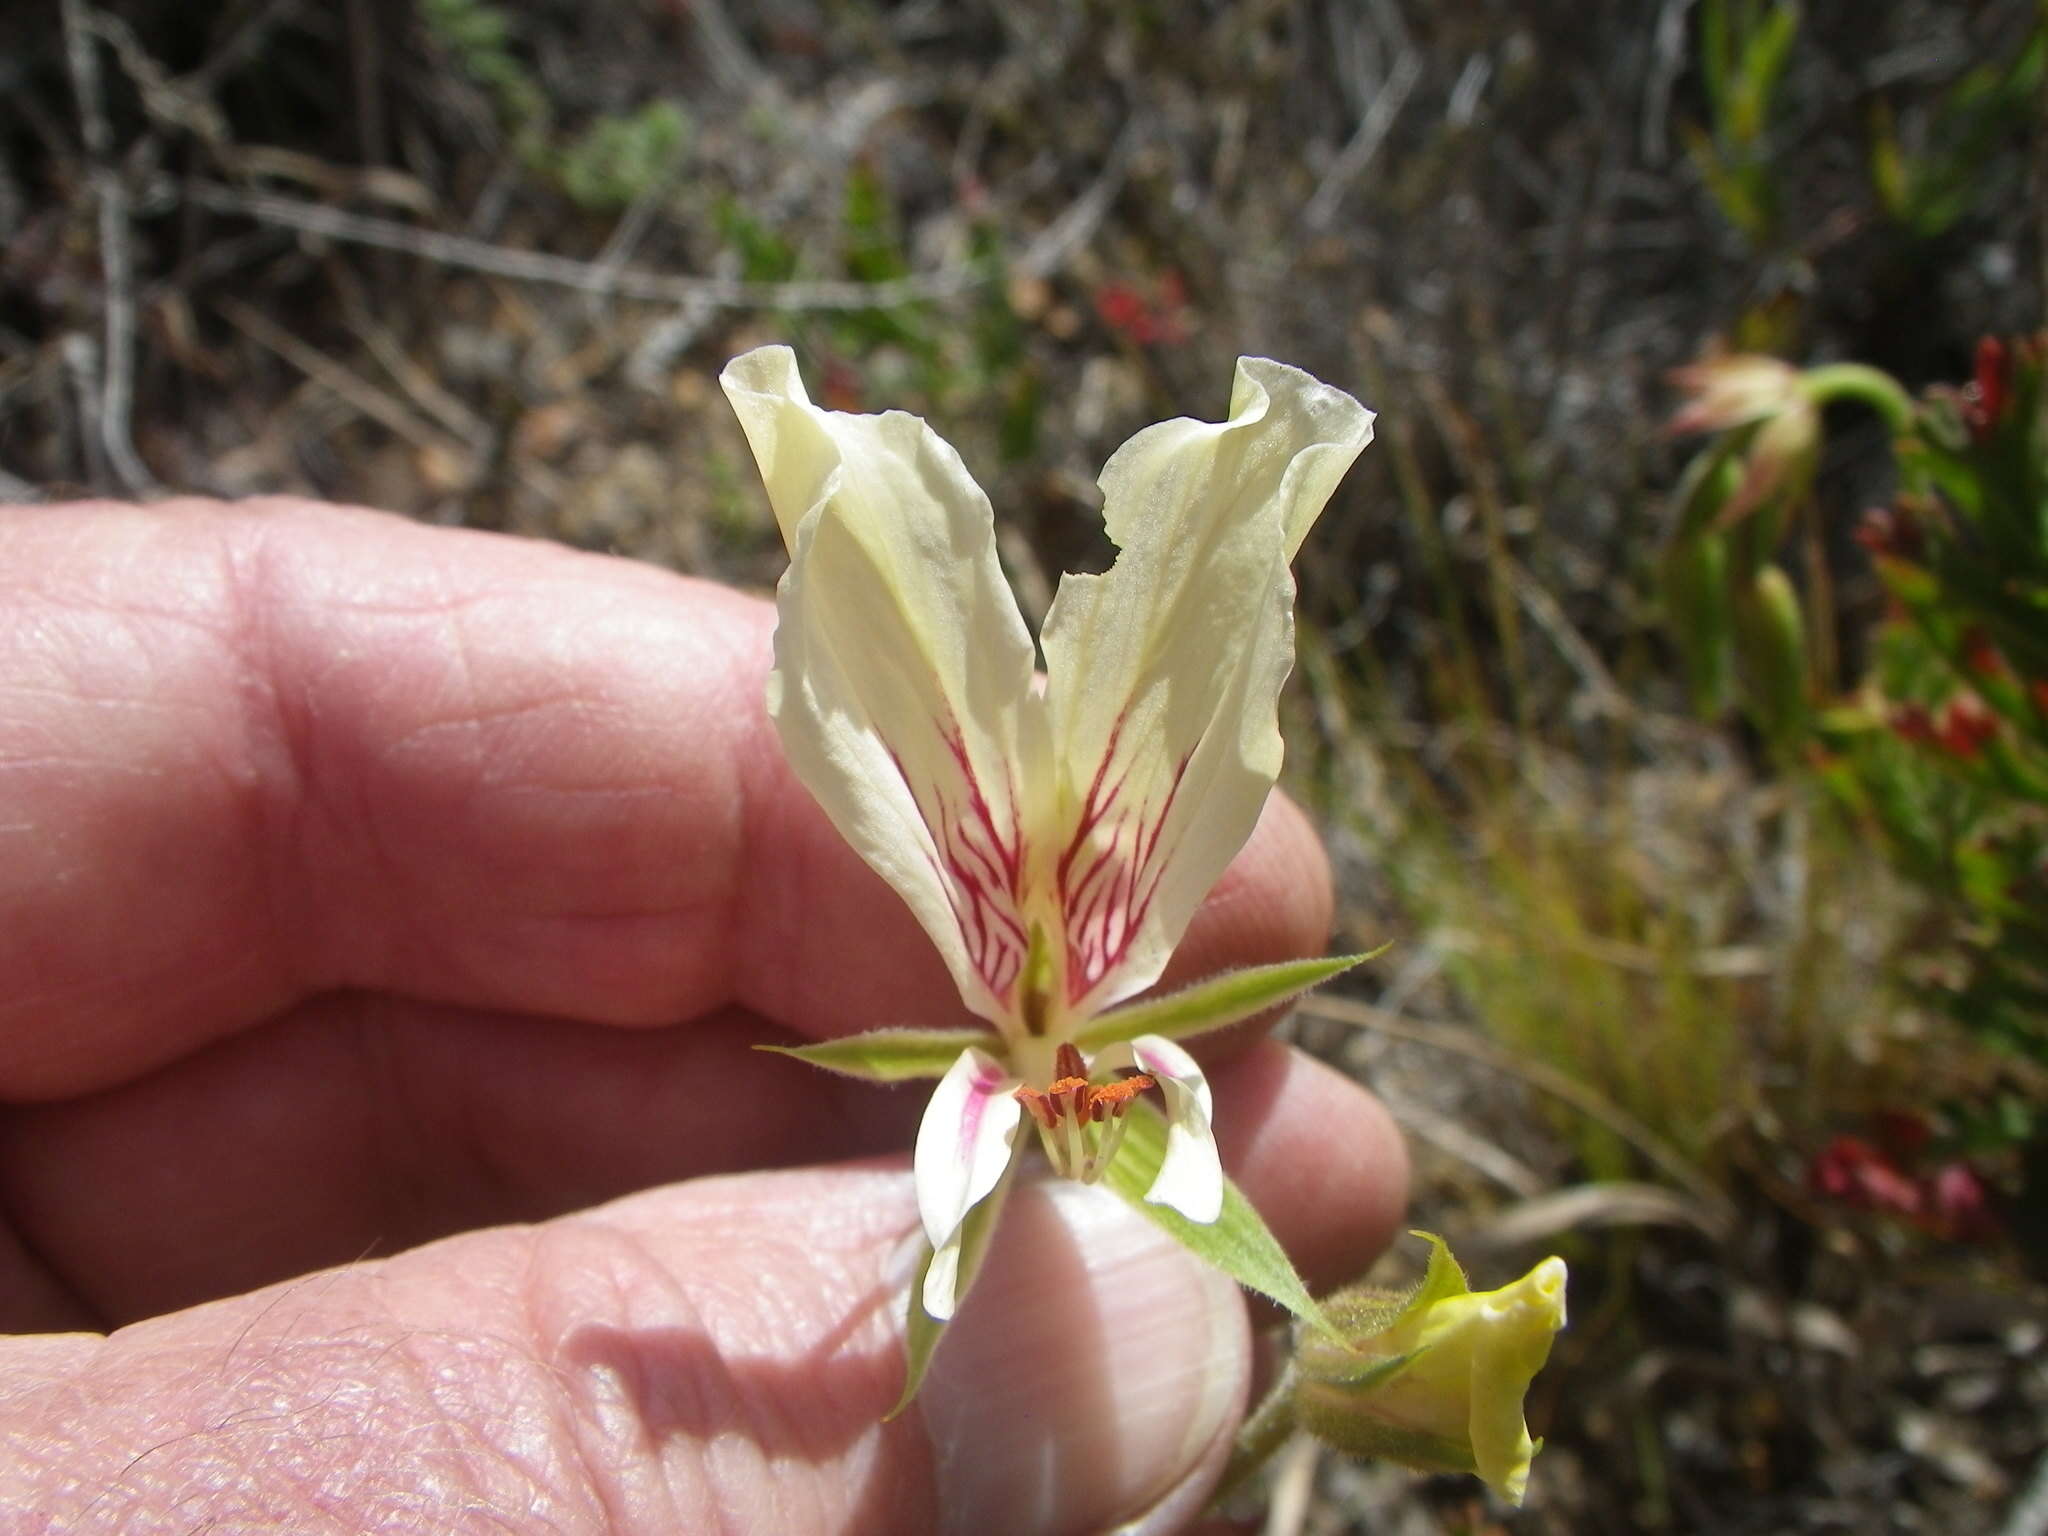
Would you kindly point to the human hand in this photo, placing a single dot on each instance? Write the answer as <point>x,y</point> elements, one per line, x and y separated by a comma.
<point>363,884</point>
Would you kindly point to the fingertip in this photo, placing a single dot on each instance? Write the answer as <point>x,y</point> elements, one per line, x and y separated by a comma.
<point>1273,903</point>
<point>1094,1379</point>
<point>1317,1154</point>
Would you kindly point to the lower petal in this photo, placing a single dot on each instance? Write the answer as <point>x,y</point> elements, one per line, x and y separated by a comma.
<point>957,1261</point>
<point>1190,1178</point>
<point>964,1143</point>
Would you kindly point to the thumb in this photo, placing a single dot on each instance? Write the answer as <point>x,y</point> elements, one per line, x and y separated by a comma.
<point>714,1355</point>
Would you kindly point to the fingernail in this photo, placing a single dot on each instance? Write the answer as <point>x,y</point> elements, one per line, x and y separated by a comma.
<point>1092,1379</point>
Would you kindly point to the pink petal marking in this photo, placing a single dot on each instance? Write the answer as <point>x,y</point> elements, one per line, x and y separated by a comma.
<point>1106,883</point>
<point>988,1081</point>
<point>980,867</point>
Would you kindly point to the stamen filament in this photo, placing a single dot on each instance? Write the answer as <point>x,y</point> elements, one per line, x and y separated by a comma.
<point>1071,1106</point>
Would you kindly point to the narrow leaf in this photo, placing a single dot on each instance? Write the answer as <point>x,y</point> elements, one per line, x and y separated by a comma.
<point>890,1055</point>
<point>1210,1005</point>
<point>1238,1242</point>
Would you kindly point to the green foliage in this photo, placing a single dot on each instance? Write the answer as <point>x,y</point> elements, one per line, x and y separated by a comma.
<point>617,160</point>
<point>765,257</point>
<point>1744,45</point>
<point>1941,751</point>
<point>1954,167</point>
<point>1944,750</point>
<point>612,163</point>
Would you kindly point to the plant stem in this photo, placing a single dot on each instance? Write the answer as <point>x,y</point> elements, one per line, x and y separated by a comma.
<point>1270,1426</point>
<point>1866,386</point>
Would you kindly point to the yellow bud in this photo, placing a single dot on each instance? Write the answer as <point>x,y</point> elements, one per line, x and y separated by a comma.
<point>1438,1382</point>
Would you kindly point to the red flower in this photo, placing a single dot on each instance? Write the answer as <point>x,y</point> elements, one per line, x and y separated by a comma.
<point>1851,1170</point>
<point>1958,1205</point>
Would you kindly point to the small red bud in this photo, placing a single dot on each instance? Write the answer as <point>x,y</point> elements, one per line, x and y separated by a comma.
<point>1851,1170</point>
<point>1890,533</point>
<point>1911,722</point>
<point>1958,1207</point>
<point>1990,387</point>
<point>1965,725</point>
<point>1983,657</point>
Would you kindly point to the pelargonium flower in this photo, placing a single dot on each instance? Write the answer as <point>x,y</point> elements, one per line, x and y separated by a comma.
<point>1053,841</point>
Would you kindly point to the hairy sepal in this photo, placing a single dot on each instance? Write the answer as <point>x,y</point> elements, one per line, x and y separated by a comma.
<point>1228,999</point>
<point>890,1055</point>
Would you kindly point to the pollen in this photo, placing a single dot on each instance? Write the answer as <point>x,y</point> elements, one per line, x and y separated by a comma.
<point>1070,1104</point>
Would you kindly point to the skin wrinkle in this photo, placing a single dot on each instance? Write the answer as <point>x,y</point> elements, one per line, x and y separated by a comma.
<point>280,739</point>
<point>466,710</point>
<point>582,1429</point>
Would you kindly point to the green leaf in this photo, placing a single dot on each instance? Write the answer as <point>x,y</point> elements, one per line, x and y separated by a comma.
<point>891,1055</point>
<point>1238,1242</point>
<point>1210,1005</point>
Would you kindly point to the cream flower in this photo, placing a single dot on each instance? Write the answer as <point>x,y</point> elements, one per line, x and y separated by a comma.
<point>1053,842</point>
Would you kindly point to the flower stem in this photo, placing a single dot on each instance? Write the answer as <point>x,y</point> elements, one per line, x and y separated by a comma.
<point>1868,386</point>
<point>1270,1426</point>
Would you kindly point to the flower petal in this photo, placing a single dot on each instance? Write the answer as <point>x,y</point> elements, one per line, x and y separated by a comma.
<point>902,682</point>
<point>1165,671</point>
<point>1520,1320</point>
<point>965,1144</point>
<point>1190,1177</point>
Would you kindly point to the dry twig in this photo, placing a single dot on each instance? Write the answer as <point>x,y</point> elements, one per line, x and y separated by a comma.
<point>583,276</point>
<point>116,364</point>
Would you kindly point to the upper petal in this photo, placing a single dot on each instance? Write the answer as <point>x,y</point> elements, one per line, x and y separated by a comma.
<point>1190,1177</point>
<point>1165,671</point>
<point>1520,1320</point>
<point>902,682</point>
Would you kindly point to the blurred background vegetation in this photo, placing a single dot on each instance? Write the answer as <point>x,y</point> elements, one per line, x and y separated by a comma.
<point>1684,730</point>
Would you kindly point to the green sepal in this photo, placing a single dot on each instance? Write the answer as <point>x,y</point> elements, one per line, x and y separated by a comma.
<point>921,1330</point>
<point>920,1337</point>
<point>1326,1412</point>
<point>1442,1280</point>
<point>1229,998</point>
<point>1238,1242</point>
<point>891,1055</point>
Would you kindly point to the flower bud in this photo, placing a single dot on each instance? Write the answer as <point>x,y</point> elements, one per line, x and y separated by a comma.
<point>1435,1379</point>
<point>1768,396</point>
<point>1770,646</point>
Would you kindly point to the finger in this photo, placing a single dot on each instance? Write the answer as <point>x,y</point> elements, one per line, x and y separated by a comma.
<point>1317,1155</point>
<point>362,1125</point>
<point>683,1360</point>
<point>250,754</point>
